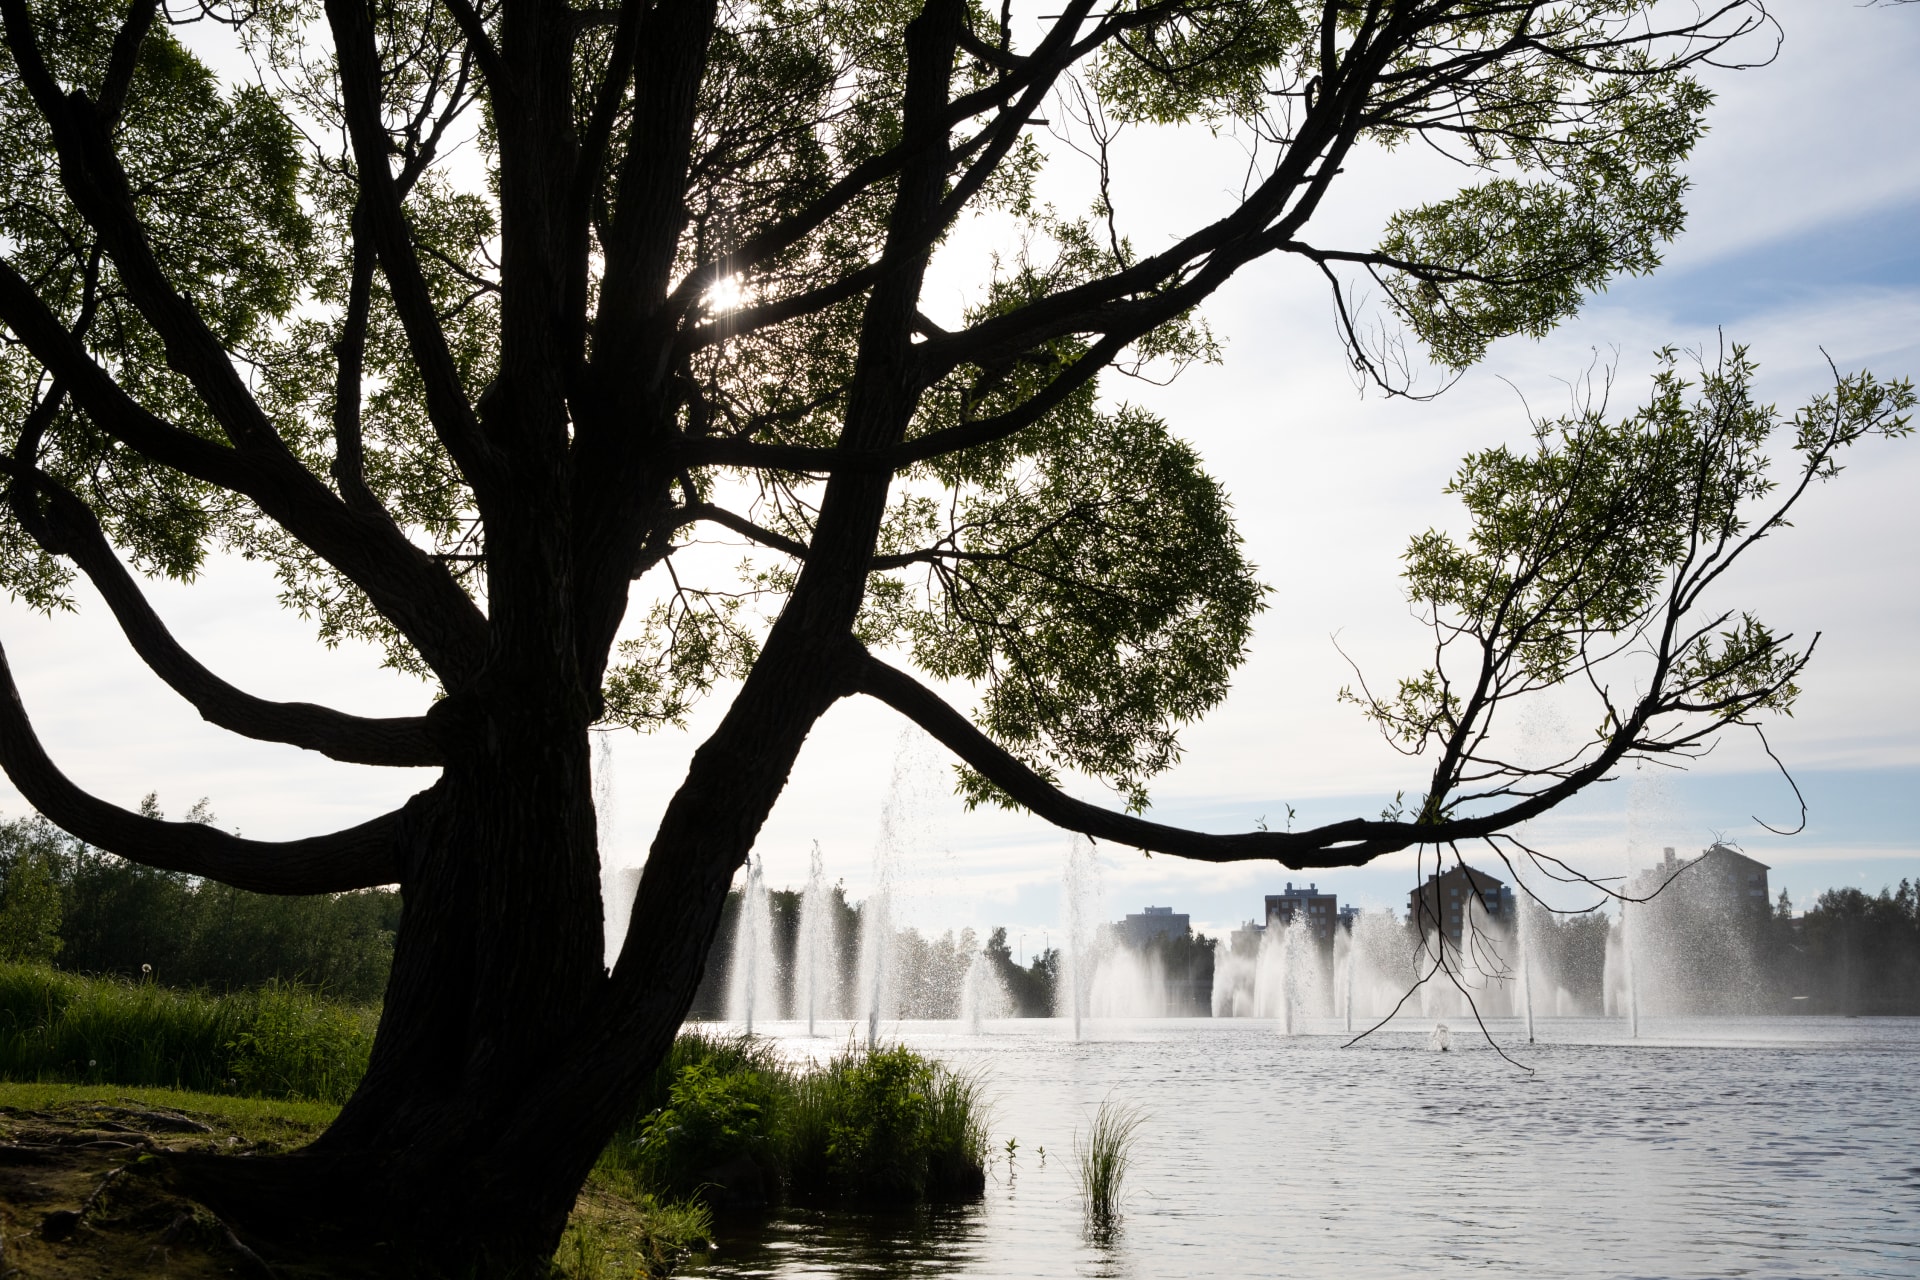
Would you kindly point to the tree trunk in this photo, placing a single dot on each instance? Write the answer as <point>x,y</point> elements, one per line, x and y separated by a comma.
<point>497,967</point>
<point>507,1056</point>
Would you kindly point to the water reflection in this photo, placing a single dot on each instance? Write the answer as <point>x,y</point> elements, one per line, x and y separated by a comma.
<point>814,1242</point>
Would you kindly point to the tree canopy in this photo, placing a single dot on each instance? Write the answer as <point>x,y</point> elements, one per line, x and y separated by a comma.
<point>228,332</point>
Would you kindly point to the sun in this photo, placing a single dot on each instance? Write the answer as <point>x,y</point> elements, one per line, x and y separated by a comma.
<point>729,293</point>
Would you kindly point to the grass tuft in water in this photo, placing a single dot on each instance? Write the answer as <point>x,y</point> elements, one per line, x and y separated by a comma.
<point>1101,1159</point>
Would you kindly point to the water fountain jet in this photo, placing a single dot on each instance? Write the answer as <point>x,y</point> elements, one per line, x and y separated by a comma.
<point>817,986</point>
<point>750,986</point>
<point>1080,887</point>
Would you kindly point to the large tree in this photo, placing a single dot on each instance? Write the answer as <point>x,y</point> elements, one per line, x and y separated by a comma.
<point>465,397</point>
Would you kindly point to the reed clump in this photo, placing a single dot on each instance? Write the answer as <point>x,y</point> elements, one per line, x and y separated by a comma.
<point>732,1124</point>
<point>1101,1158</point>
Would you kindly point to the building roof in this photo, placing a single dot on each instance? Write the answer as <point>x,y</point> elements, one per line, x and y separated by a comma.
<point>1726,851</point>
<point>1480,880</point>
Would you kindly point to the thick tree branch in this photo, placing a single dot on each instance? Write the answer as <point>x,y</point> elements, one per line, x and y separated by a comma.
<point>125,59</point>
<point>649,208</point>
<point>1351,843</point>
<point>72,530</point>
<point>1344,844</point>
<point>349,457</point>
<point>357,858</point>
<point>380,201</point>
<point>485,52</point>
<point>745,528</point>
<point>403,583</point>
<point>98,187</point>
<point>102,399</point>
<point>594,144</point>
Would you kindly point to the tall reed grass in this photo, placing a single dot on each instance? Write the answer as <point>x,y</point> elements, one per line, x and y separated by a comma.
<point>276,1041</point>
<point>1101,1159</point>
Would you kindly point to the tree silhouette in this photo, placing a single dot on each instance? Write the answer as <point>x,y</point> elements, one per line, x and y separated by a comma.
<point>469,317</point>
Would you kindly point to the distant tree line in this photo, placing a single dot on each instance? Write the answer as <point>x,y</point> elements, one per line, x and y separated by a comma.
<point>1031,987</point>
<point>1851,952</point>
<point>66,904</point>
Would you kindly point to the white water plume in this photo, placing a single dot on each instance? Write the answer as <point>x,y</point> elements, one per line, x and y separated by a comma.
<point>983,996</point>
<point>878,991</point>
<point>817,978</point>
<point>618,884</point>
<point>1127,983</point>
<point>752,981</point>
<point>1080,887</point>
<point>1380,961</point>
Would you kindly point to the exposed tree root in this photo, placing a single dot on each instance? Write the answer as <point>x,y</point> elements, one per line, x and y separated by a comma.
<point>86,1190</point>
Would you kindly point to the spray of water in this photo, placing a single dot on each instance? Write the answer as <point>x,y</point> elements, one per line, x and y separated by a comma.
<point>1647,812</point>
<point>817,982</point>
<point>617,884</point>
<point>1343,967</point>
<point>1081,889</point>
<point>1523,929</point>
<point>877,942</point>
<point>751,982</point>
<point>983,995</point>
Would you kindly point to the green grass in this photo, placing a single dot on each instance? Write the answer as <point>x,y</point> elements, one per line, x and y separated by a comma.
<point>1102,1157</point>
<point>273,1042</point>
<point>254,1119</point>
<point>620,1229</point>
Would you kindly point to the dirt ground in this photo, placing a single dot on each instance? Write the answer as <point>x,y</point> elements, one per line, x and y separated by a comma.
<point>83,1195</point>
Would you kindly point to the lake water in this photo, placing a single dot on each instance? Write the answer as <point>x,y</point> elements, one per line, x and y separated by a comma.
<point>1708,1147</point>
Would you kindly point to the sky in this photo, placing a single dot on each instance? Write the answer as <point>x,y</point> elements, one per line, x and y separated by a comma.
<point>1801,242</point>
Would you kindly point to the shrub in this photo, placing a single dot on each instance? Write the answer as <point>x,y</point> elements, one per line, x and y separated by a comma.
<point>715,1116</point>
<point>291,1044</point>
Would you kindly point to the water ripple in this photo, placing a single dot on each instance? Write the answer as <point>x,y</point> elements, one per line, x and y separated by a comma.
<point>1711,1148</point>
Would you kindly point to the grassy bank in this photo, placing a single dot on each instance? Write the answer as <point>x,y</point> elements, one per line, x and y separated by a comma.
<point>279,1121</point>
<point>725,1122</point>
<point>277,1041</point>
